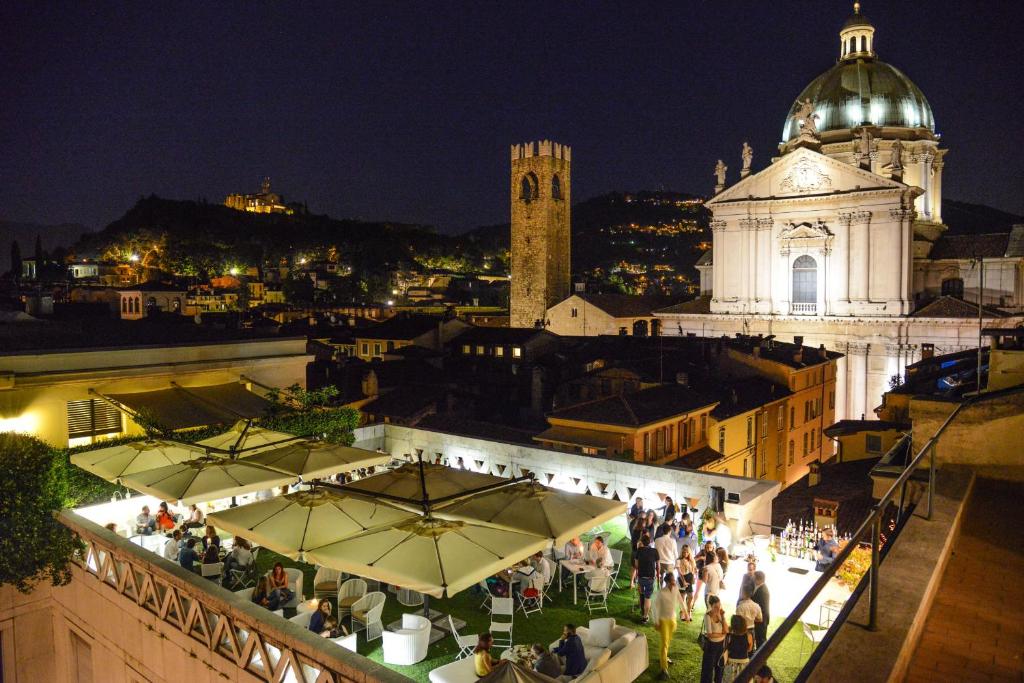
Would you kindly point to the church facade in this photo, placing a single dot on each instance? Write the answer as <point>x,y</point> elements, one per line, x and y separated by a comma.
<point>832,241</point>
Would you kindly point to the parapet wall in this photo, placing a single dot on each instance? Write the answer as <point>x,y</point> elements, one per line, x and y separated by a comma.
<point>543,148</point>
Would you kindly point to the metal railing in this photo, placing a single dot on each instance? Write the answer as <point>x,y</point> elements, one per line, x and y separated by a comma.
<point>873,526</point>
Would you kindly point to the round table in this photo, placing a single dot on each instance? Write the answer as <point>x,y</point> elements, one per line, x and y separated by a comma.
<point>307,606</point>
<point>521,655</point>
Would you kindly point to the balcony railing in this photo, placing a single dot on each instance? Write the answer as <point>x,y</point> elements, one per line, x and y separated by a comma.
<point>225,625</point>
<point>870,530</point>
<point>804,309</point>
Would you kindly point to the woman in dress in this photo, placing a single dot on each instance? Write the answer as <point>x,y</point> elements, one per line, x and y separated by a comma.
<point>714,630</point>
<point>738,645</point>
<point>279,584</point>
<point>712,577</point>
<point>261,594</point>
<point>483,662</point>
<point>164,518</point>
<point>687,573</point>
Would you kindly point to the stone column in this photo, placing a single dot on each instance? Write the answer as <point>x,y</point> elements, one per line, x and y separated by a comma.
<point>857,363</point>
<point>842,382</point>
<point>925,159</point>
<point>764,268</point>
<point>717,259</point>
<point>860,255</point>
<point>747,230</point>
<point>843,281</point>
<point>903,218</point>
<point>936,184</point>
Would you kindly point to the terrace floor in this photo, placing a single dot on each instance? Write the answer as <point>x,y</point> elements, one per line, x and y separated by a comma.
<point>973,632</point>
<point>546,627</point>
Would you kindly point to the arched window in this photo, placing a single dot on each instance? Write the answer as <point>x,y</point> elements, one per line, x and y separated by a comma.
<point>953,286</point>
<point>138,304</point>
<point>124,305</point>
<point>853,44</point>
<point>805,280</point>
<point>528,189</point>
<point>640,328</point>
<point>863,43</point>
<point>556,187</point>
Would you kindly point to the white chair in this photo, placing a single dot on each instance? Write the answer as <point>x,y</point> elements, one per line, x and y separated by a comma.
<point>302,619</point>
<point>366,614</point>
<point>243,576</point>
<point>348,593</point>
<point>532,598</point>
<point>294,585</point>
<point>617,560</point>
<point>812,633</point>
<point>488,596</point>
<point>325,582</point>
<point>598,585</point>
<point>348,642</point>
<point>502,607</point>
<point>466,644</point>
<point>211,570</point>
<point>407,645</point>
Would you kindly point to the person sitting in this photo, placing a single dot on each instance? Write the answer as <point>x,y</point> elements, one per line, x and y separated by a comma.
<point>483,663</point>
<point>764,675</point>
<point>570,648</point>
<point>574,549</point>
<point>196,518</point>
<point>545,662</point>
<point>187,556</point>
<point>212,554</point>
<point>279,584</point>
<point>172,547</point>
<point>332,629</point>
<point>145,524</point>
<point>165,518</point>
<point>211,538</point>
<point>262,595</point>
<point>599,555</point>
<point>240,557</point>
<point>111,527</point>
<point>317,622</point>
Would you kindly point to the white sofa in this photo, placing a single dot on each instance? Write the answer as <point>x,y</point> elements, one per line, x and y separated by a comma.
<point>627,656</point>
<point>407,645</point>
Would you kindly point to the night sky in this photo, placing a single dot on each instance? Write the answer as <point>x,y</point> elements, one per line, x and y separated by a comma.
<point>405,111</point>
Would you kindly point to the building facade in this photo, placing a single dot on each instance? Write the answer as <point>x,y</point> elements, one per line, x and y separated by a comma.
<point>541,200</point>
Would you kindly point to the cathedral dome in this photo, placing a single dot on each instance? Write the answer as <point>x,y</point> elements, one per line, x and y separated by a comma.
<point>861,90</point>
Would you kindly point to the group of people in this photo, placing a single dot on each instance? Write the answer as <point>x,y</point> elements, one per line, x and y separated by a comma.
<point>166,520</point>
<point>272,589</point>
<point>322,621</point>
<point>548,662</point>
<point>667,556</point>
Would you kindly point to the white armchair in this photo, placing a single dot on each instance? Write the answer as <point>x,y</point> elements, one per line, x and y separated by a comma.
<point>294,585</point>
<point>366,614</point>
<point>348,593</point>
<point>302,619</point>
<point>407,645</point>
<point>325,583</point>
<point>348,642</point>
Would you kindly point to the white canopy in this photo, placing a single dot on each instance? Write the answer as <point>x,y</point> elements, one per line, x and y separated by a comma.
<point>204,479</point>
<point>316,459</point>
<point>115,462</point>
<point>245,438</point>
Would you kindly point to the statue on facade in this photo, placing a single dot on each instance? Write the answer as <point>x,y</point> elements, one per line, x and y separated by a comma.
<point>808,119</point>
<point>864,143</point>
<point>896,157</point>
<point>720,169</point>
<point>748,157</point>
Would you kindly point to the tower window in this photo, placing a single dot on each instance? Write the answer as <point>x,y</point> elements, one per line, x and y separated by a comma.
<point>556,187</point>
<point>863,44</point>
<point>528,190</point>
<point>953,286</point>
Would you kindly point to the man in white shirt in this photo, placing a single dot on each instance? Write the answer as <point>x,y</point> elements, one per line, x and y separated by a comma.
<point>599,555</point>
<point>748,609</point>
<point>173,546</point>
<point>668,551</point>
<point>574,549</point>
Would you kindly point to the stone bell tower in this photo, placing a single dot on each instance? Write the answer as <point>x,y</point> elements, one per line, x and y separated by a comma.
<point>540,200</point>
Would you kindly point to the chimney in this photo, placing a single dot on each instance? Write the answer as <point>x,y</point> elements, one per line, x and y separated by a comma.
<point>814,476</point>
<point>826,512</point>
<point>927,351</point>
<point>798,356</point>
<point>756,351</point>
<point>798,340</point>
<point>822,353</point>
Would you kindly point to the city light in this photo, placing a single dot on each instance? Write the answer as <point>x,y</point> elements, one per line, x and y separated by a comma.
<point>134,258</point>
<point>233,270</point>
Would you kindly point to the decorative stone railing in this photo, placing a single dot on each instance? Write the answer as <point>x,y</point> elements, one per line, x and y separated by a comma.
<point>804,309</point>
<point>226,625</point>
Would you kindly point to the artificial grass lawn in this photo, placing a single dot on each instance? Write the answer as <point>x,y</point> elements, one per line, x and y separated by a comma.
<point>558,610</point>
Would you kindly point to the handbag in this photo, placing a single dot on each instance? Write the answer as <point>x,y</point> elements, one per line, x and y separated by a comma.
<point>702,638</point>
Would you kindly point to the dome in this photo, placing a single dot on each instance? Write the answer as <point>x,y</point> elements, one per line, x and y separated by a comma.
<point>862,91</point>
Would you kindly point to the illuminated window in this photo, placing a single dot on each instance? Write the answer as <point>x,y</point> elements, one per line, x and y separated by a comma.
<point>480,350</point>
<point>517,352</point>
<point>750,430</point>
<point>466,349</point>
<point>91,417</point>
<point>721,440</point>
<point>499,351</point>
<point>764,425</point>
<point>805,280</point>
<point>778,454</point>
<point>792,451</point>
<point>781,419</point>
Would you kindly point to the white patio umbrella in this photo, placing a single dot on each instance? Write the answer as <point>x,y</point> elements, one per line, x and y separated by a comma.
<point>535,509</point>
<point>245,438</point>
<point>115,462</point>
<point>315,459</point>
<point>428,555</point>
<point>293,523</point>
<point>206,478</point>
<point>440,481</point>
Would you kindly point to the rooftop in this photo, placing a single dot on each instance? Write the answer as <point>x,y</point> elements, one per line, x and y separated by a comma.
<point>626,305</point>
<point>845,427</point>
<point>401,327</point>
<point>847,483</point>
<point>953,307</point>
<point>699,306</point>
<point>502,335</point>
<point>640,408</point>
<point>988,245</point>
<point>738,397</point>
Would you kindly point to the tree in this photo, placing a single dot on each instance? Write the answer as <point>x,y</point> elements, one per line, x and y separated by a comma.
<point>15,260</point>
<point>34,546</point>
<point>40,257</point>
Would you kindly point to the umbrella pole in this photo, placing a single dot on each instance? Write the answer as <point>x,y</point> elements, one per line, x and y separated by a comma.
<point>425,502</point>
<point>426,606</point>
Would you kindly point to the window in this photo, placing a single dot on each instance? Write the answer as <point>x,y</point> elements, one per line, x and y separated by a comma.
<point>499,351</point>
<point>807,411</point>
<point>805,444</point>
<point>831,400</point>
<point>647,445</point>
<point>703,428</point>
<point>366,349</point>
<point>480,350</point>
<point>792,416</point>
<point>750,430</point>
<point>953,286</point>
<point>764,463</point>
<point>764,425</point>
<point>721,440</point>
<point>805,280</point>
<point>575,312</point>
<point>517,352</point>
<point>92,417</point>
<point>466,349</point>
<point>778,454</point>
<point>781,419</point>
<point>792,451</point>
<point>81,659</point>
<point>124,305</point>
<point>873,443</point>
<point>376,349</point>
<point>528,188</point>
<point>863,44</point>
<point>556,187</point>
<point>745,467</point>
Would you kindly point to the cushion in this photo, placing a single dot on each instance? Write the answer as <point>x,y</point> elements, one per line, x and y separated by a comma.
<point>598,661</point>
<point>600,632</point>
<point>326,586</point>
<point>348,600</point>
<point>621,642</point>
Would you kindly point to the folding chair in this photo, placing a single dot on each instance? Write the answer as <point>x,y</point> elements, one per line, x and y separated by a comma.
<point>466,644</point>
<point>488,596</point>
<point>502,607</point>
<point>617,559</point>
<point>212,570</point>
<point>532,598</point>
<point>598,585</point>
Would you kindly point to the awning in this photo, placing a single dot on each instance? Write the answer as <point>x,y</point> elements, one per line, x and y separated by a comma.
<point>185,407</point>
<point>570,436</point>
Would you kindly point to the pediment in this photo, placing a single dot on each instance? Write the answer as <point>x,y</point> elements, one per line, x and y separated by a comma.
<point>805,172</point>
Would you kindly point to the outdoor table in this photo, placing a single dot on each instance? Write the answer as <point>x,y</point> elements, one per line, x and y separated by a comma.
<point>574,567</point>
<point>521,655</point>
<point>307,606</point>
<point>828,611</point>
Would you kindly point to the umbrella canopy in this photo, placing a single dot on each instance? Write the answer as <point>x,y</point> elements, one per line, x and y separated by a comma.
<point>247,440</point>
<point>513,672</point>
<point>115,462</point>
<point>205,478</point>
<point>429,555</point>
<point>440,481</point>
<point>293,523</point>
<point>315,459</point>
<point>535,509</point>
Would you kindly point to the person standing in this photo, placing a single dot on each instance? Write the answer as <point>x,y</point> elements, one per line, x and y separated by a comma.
<point>747,582</point>
<point>749,610</point>
<point>762,598</point>
<point>712,577</point>
<point>645,565</point>
<point>667,603</point>
<point>687,574</point>
<point>637,510</point>
<point>738,646</point>
<point>825,550</point>
<point>671,509</point>
<point>668,551</point>
<point>714,630</point>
